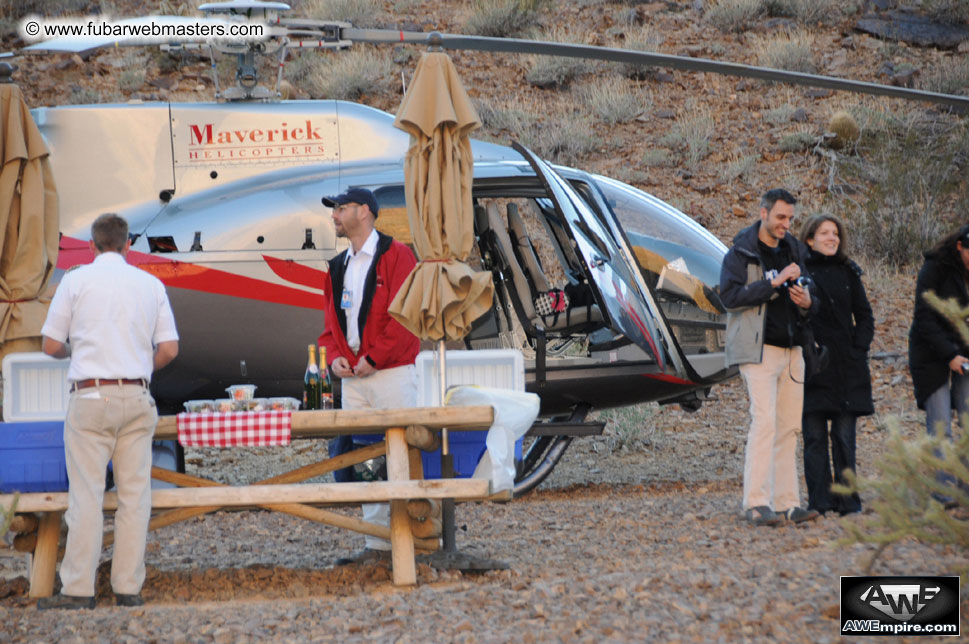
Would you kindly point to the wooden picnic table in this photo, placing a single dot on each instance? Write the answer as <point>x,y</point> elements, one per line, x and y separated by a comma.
<point>286,492</point>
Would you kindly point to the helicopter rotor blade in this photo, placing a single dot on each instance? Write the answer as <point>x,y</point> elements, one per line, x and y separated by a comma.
<point>652,59</point>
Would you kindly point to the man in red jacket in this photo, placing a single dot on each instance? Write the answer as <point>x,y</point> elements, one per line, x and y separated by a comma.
<point>367,349</point>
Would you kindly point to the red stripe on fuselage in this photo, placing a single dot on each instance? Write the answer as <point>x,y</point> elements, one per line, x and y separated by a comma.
<point>668,378</point>
<point>197,278</point>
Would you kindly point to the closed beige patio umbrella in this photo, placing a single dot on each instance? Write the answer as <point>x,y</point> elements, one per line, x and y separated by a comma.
<point>442,296</point>
<point>28,225</point>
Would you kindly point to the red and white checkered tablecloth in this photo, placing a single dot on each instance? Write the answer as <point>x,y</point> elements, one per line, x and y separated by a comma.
<point>234,429</point>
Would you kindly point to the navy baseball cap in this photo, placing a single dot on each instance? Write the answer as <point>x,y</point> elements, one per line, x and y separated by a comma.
<point>361,196</point>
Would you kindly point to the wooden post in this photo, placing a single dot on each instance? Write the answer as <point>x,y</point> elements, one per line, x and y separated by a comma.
<point>24,523</point>
<point>401,537</point>
<point>44,562</point>
<point>423,438</point>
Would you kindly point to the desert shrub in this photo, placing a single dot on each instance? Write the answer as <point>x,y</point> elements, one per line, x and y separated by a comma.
<point>952,11</point>
<point>949,77</point>
<point>131,78</point>
<point>691,133</point>
<point>911,172</point>
<point>302,65</point>
<point>564,139</point>
<point>348,75</point>
<point>739,167</point>
<point>630,428</point>
<point>83,96</point>
<point>791,51</point>
<point>612,101</point>
<point>359,12</point>
<point>503,18</point>
<point>796,142</point>
<point>734,15</point>
<point>556,72</point>
<point>645,39</point>
<point>512,119</point>
<point>20,8</point>
<point>780,114</point>
<point>806,11</point>
<point>658,157</point>
<point>902,494</point>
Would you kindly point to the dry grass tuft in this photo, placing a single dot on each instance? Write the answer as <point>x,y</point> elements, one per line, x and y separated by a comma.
<point>734,15</point>
<point>797,142</point>
<point>648,39</point>
<point>556,72</point>
<point>612,100</point>
<point>950,76</point>
<point>740,167</point>
<point>350,74</point>
<point>503,18</point>
<point>691,133</point>
<point>810,12</point>
<point>361,13</point>
<point>567,139</point>
<point>791,51</point>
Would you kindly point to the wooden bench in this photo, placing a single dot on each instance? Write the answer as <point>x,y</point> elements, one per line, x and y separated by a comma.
<point>285,492</point>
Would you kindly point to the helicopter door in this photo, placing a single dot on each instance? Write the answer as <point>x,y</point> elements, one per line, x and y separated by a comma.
<point>627,304</point>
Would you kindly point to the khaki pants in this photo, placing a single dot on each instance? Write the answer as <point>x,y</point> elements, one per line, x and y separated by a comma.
<point>386,389</point>
<point>113,423</point>
<point>776,391</point>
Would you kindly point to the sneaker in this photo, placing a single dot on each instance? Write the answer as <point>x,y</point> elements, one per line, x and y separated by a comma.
<point>762,515</point>
<point>799,515</point>
<point>367,555</point>
<point>64,602</point>
<point>121,599</point>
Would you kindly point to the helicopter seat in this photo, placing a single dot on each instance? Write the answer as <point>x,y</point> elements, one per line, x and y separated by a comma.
<point>575,320</point>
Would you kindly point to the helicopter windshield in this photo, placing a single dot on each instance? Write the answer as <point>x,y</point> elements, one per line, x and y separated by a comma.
<point>680,262</point>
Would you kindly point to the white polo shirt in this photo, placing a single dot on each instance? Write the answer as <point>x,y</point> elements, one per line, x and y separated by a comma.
<point>358,265</point>
<point>114,315</point>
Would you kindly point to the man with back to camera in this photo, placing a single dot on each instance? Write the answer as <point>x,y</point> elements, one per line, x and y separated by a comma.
<point>766,305</point>
<point>115,323</point>
<point>368,350</point>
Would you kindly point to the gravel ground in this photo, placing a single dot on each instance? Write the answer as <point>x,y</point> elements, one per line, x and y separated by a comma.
<point>634,538</point>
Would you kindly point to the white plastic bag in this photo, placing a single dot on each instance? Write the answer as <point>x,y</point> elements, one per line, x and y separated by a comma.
<point>515,412</point>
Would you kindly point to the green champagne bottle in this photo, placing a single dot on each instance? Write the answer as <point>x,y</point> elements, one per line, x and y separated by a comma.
<point>311,381</point>
<point>326,385</point>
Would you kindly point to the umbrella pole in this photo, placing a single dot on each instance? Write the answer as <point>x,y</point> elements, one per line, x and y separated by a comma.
<point>447,461</point>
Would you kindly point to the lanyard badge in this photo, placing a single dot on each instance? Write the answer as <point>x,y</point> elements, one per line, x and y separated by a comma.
<point>346,300</point>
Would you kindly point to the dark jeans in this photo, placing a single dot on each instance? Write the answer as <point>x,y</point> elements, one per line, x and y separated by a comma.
<point>341,445</point>
<point>817,465</point>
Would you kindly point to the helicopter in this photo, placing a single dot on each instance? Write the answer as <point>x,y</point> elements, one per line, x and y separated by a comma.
<point>223,205</point>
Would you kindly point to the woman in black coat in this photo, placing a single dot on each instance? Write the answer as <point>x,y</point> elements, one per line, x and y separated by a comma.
<point>936,353</point>
<point>841,393</point>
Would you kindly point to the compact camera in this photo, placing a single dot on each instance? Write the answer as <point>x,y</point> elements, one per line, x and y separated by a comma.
<point>803,281</point>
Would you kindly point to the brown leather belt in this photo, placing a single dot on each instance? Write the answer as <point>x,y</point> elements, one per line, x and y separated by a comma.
<point>97,382</point>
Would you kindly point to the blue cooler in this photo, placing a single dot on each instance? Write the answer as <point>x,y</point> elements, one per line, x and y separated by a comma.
<point>32,457</point>
<point>467,449</point>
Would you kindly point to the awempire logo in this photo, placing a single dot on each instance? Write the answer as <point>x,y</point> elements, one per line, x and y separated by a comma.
<point>900,605</point>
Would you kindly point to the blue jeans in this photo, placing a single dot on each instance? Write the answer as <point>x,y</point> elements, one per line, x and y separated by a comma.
<point>938,412</point>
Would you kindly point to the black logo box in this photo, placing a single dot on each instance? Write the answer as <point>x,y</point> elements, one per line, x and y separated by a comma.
<point>860,597</point>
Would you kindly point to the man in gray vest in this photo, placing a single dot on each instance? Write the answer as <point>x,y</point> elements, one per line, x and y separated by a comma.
<point>766,302</point>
